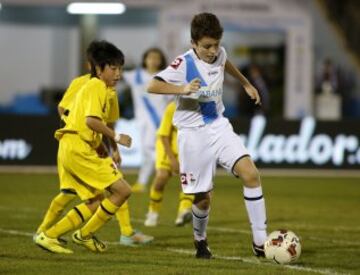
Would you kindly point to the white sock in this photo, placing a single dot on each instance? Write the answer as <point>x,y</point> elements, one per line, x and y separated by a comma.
<point>200,221</point>
<point>255,206</point>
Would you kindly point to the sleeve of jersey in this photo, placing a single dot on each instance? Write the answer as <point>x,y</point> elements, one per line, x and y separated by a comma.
<point>224,55</point>
<point>166,122</point>
<point>175,73</point>
<point>96,100</point>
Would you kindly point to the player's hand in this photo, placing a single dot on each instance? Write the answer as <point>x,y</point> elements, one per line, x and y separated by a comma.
<point>116,157</point>
<point>192,87</point>
<point>123,139</point>
<point>253,93</point>
<point>175,165</point>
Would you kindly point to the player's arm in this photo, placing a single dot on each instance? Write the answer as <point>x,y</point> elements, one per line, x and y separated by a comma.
<point>95,124</point>
<point>158,86</point>
<point>250,89</point>
<point>165,140</point>
<point>114,148</point>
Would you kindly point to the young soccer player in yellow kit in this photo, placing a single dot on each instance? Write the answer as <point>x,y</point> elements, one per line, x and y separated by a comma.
<point>80,166</point>
<point>166,164</point>
<point>129,236</point>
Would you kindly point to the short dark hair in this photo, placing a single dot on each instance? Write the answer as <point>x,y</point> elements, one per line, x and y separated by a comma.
<point>154,50</point>
<point>102,53</point>
<point>205,24</point>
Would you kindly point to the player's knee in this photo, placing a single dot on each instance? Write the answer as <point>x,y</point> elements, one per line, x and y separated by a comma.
<point>202,200</point>
<point>121,189</point>
<point>161,179</point>
<point>251,178</point>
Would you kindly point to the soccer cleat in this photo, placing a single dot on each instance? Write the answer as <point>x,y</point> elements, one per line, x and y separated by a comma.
<point>151,219</point>
<point>183,218</point>
<point>202,250</point>
<point>137,238</point>
<point>60,240</point>
<point>91,243</point>
<point>50,244</point>
<point>258,250</point>
<point>138,188</point>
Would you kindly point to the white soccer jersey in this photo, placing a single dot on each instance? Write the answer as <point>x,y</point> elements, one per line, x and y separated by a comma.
<point>149,108</point>
<point>206,105</point>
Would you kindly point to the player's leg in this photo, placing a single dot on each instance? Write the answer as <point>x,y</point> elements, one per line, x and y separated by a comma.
<point>197,168</point>
<point>254,201</point>
<point>129,236</point>
<point>200,217</point>
<point>148,159</point>
<point>184,215</point>
<point>56,207</point>
<point>162,177</point>
<point>58,204</point>
<point>146,170</point>
<point>235,157</point>
<point>119,192</point>
<point>72,220</point>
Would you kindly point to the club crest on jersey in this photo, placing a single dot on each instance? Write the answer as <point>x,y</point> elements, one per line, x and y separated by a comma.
<point>185,178</point>
<point>176,63</point>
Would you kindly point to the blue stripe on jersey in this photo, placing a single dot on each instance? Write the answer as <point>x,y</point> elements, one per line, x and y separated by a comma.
<point>152,112</point>
<point>191,70</point>
<point>208,111</point>
<point>138,77</point>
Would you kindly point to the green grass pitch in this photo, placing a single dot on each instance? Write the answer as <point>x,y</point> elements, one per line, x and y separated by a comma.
<point>324,212</point>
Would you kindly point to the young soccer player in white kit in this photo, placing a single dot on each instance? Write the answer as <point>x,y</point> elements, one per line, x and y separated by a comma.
<point>148,110</point>
<point>205,137</point>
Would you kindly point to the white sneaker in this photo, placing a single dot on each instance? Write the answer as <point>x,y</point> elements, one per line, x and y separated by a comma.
<point>151,219</point>
<point>183,218</point>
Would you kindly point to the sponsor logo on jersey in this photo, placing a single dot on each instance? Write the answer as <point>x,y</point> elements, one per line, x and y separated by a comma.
<point>210,93</point>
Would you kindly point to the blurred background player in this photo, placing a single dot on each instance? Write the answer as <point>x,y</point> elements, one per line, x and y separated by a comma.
<point>205,136</point>
<point>148,110</point>
<point>129,236</point>
<point>167,164</point>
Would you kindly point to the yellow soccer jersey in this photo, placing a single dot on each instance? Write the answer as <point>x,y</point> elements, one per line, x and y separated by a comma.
<point>167,128</point>
<point>93,99</point>
<point>72,90</point>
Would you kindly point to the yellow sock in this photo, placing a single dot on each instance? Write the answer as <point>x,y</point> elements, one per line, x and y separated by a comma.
<point>123,217</point>
<point>185,202</point>
<point>71,221</point>
<point>103,214</point>
<point>155,200</point>
<point>55,209</point>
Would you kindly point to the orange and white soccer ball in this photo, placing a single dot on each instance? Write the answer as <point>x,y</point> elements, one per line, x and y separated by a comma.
<point>282,247</point>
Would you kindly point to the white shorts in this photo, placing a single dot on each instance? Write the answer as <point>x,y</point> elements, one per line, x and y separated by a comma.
<point>202,148</point>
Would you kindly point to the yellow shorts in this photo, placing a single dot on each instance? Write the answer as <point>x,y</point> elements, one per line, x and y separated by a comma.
<point>162,160</point>
<point>82,170</point>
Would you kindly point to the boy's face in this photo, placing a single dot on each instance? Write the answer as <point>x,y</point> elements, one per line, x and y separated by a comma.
<point>110,75</point>
<point>206,48</point>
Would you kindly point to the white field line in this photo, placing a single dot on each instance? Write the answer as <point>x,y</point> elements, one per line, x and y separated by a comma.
<point>247,232</point>
<point>268,172</point>
<point>191,252</point>
<point>226,229</point>
<point>258,262</point>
